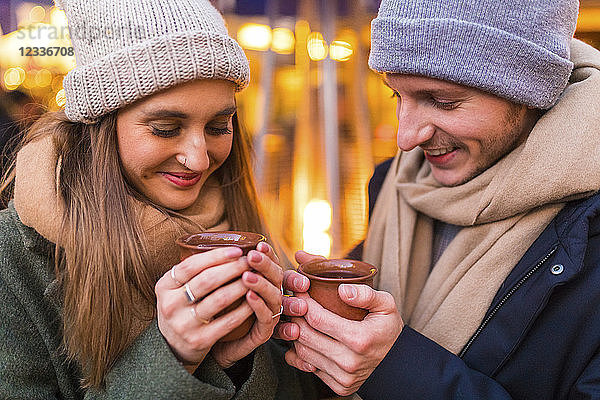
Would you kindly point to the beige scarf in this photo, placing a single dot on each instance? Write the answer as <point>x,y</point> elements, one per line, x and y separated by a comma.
<point>503,211</point>
<point>38,205</point>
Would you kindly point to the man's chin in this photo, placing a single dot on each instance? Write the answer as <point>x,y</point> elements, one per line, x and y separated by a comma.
<point>446,179</point>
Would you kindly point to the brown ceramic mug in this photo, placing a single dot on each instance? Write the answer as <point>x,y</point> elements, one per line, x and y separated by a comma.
<point>205,241</point>
<point>325,277</point>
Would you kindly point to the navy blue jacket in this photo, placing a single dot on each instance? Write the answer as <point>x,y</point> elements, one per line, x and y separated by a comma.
<point>540,338</point>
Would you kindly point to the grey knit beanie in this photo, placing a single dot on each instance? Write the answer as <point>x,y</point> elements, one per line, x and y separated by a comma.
<point>129,49</point>
<point>518,50</point>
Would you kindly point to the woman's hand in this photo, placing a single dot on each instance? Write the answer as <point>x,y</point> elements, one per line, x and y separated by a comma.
<point>264,296</point>
<point>186,323</point>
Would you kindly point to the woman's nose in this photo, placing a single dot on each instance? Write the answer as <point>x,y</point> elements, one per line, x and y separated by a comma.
<point>414,128</point>
<point>195,152</point>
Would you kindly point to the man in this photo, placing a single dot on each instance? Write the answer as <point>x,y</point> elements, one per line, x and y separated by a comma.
<point>486,229</point>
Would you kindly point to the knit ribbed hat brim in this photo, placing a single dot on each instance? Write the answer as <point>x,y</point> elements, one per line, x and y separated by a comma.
<point>471,54</point>
<point>127,75</point>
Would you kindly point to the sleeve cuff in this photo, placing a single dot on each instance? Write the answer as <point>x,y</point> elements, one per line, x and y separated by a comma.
<point>150,370</point>
<point>418,368</point>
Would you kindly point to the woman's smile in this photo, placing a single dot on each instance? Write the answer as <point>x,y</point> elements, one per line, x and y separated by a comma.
<point>182,179</point>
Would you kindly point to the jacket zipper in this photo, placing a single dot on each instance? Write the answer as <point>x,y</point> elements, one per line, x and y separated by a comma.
<point>504,299</point>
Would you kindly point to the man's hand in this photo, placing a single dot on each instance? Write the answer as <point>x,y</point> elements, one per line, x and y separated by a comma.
<point>343,353</point>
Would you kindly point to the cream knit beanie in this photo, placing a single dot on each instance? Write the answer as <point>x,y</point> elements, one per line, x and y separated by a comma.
<point>129,49</point>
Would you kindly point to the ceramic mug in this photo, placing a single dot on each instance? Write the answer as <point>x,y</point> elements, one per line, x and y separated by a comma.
<point>205,241</point>
<point>327,274</point>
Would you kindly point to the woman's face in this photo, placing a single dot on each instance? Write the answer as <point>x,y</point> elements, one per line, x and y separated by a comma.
<point>188,124</point>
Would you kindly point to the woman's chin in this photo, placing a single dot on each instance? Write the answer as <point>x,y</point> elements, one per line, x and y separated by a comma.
<point>178,201</point>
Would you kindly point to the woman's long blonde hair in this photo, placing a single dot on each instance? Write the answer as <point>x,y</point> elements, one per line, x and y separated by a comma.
<point>101,260</point>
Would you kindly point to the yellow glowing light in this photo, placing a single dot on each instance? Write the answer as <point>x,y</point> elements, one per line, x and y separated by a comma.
<point>340,50</point>
<point>255,36</point>
<point>273,143</point>
<point>10,49</point>
<point>317,243</point>
<point>13,77</point>
<point>52,43</point>
<point>289,78</point>
<point>58,17</point>
<point>60,98</point>
<point>42,35</point>
<point>302,28</point>
<point>283,41</point>
<point>317,215</point>
<point>588,19</point>
<point>317,220</point>
<point>43,78</point>
<point>29,82</point>
<point>316,46</point>
<point>37,14</point>
<point>57,82</point>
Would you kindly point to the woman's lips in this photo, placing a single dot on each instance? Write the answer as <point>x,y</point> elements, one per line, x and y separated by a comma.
<point>182,179</point>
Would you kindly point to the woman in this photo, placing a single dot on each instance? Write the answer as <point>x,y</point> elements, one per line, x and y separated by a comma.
<point>148,148</point>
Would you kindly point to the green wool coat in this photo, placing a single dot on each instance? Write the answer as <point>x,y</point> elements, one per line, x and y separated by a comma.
<point>32,365</point>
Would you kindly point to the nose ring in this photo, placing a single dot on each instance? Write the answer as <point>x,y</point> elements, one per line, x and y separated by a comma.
<point>184,161</point>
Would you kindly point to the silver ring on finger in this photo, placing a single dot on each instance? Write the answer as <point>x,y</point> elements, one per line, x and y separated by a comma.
<point>188,293</point>
<point>179,284</point>
<point>197,318</point>
<point>279,313</point>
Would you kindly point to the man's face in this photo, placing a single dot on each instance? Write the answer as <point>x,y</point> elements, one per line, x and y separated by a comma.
<point>462,130</point>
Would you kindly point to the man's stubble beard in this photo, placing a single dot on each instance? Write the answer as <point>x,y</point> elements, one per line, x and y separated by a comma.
<point>517,131</point>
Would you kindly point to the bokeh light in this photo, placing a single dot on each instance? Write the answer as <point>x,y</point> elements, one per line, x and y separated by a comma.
<point>37,14</point>
<point>60,98</point>
<point>253,36</point>
<point>317,220</point>
<point>340,50</point>
<point>14,77</point>
<point>43,78</point>
<point>283,41</point>
<point>316,46</point>
<point>58,17</point>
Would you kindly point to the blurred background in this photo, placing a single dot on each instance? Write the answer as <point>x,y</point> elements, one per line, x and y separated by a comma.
<point>319,118</point>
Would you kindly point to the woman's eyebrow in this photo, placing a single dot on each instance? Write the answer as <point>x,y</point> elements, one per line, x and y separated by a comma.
<point>164,113</point>
<point>167,113</point>
<point>227,111</point>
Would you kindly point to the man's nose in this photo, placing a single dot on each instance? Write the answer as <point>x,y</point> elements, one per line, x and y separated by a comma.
<point>414,127</point>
